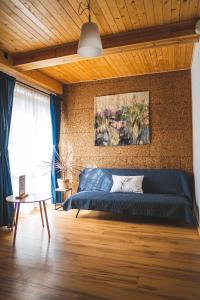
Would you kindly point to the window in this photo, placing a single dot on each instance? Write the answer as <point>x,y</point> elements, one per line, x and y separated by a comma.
<point>30,140</point>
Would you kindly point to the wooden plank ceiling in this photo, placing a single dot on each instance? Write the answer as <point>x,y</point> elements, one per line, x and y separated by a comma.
<point>176,57</point>
<point>28,25</point>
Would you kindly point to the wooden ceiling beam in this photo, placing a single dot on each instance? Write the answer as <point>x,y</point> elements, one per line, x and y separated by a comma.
<point>34,78</point>
<point>134,40</point>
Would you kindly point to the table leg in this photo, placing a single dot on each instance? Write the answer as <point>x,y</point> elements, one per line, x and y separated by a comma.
<point>46,218</point>
<point>41,214</point>
<point>14,214</point>
<point>16,222</point>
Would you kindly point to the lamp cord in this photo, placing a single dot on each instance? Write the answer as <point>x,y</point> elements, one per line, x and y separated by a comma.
<point>81,9</point>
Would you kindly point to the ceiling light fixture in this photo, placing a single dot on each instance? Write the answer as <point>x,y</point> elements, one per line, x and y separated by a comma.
<point>90,41</point>
<point>197,27</point>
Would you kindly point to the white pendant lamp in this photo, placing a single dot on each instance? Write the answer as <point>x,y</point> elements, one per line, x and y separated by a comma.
<point>90,41</point>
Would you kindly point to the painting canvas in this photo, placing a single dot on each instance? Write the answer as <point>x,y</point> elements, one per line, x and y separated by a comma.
<point>122,119</point>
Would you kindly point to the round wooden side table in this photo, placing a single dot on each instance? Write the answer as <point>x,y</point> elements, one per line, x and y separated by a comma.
<point>32,198</point>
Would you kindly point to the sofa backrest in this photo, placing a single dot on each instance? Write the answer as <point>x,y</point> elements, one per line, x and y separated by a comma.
<point>161,181</point>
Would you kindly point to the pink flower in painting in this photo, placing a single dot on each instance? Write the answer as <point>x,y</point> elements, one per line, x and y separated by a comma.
<point>146,121</point>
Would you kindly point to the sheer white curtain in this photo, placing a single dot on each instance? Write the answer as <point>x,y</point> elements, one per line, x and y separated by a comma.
<point>30,140</point>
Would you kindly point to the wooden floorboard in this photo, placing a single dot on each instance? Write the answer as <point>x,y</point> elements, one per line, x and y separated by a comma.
<point>99,256</point>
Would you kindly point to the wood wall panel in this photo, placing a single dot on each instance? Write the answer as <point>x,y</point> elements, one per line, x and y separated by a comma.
<point>170,115</point>
<point>154,60</point>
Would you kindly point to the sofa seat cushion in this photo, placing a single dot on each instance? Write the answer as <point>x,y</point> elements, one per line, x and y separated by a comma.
<point>156,205</point>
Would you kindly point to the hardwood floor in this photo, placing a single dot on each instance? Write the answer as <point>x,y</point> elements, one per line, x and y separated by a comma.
<point>99,256</point>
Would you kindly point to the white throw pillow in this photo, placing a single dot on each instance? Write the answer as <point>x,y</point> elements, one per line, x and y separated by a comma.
<point>130,184</point>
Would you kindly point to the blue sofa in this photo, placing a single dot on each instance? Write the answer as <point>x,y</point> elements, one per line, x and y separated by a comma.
<point>167,194</point>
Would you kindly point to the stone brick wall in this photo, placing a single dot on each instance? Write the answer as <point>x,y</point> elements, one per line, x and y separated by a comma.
<point>170,123</point>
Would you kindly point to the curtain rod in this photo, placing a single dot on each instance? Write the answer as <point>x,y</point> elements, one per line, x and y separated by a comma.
<point>29,86</point>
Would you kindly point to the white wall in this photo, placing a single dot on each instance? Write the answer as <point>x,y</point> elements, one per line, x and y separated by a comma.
<point>196,121</point>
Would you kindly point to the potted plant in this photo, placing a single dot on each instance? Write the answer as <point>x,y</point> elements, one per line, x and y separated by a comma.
<point>66,168</point>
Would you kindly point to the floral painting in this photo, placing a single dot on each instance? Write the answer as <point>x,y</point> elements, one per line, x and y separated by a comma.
<point>122,119</point>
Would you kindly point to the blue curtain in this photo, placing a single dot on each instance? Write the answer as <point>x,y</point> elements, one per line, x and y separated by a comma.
<point>7,85</point>
<point>55,122</point>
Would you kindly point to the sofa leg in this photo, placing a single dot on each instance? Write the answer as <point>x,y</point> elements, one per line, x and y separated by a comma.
<point>77,213</point>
